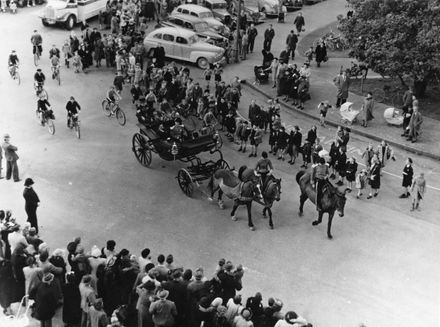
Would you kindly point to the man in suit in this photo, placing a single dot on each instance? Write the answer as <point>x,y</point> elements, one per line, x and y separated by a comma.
<point>342,82</point>
<point>299,22</point>
<point>252,34</point>
<point>11,159</point>
<point>31,203</point>
<point>269,34</point>
<point>415,125</point>
<point>291,41</point>
<point>254,112</point>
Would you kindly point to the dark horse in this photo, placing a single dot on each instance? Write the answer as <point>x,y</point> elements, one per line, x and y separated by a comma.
<point>332,199</point>
<point>242,192</point>
<point>270,190</point>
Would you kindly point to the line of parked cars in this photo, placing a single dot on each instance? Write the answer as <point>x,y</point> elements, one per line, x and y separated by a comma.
<point>198,33</point>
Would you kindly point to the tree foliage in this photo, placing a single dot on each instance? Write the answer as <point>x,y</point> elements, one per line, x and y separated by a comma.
<point>397,38</point>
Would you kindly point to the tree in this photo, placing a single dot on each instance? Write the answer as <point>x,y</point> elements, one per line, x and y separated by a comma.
<point>397,38</point>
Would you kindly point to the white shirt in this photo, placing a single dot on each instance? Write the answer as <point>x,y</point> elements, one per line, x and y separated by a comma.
<point>300,321</point>
<point>143,262</point>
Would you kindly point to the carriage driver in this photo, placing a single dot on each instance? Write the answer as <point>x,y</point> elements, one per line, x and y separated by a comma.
<point>178,131</point>
<point>264,167</point>
<point>320,174</point>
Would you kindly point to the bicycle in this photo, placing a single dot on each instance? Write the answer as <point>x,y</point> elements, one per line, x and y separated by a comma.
<point>74,124</point>
<point>56,74</point>
<point>15,74</point>
<point>37,54</point>
<point>113,109</point>
<point>47,119</point>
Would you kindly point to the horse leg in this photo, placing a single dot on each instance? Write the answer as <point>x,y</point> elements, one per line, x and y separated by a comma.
<point>302,199</point>
<point>220,201</point>
<point>317,222</point>
<point>270,217</point>
<point>329,225</point>
<point>249,212</point>
<point>234,208</point>
<point>264,212</point>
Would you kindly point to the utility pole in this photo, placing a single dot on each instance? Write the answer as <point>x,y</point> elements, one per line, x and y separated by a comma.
<point>237,35</point>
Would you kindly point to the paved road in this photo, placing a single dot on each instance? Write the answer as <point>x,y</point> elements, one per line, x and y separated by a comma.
<point>382,262</point>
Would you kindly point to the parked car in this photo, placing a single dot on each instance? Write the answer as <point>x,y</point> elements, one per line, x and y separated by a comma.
<point>271,8</point>
<point>293,5</point>
<point>220,10</point>
<point>200,27</point>
<point>183,44</point>
<point>251,10</point>
<point>204,14</point>
<point>70,12</point>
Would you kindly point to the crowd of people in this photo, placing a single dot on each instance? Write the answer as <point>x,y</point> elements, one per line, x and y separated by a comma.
<point>110,287</point>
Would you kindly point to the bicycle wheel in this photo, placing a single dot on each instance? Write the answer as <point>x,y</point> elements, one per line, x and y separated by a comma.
<point>58,77</point>
<point>379,94</point>
<point>18,78</point>
<point>50,126</point>
<point>106,107</point>
<point>120,116</point>
<point>36,59</point>
<point>77,130</point>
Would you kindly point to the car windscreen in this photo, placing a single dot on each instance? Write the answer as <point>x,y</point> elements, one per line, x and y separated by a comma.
<point>219,6</point>
<point>206,14</point>
<point>201,27</point>
<point>193,39</point>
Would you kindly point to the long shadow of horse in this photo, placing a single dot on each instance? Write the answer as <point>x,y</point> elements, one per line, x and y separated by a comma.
<point>243,189</point>
<point>332,199</point>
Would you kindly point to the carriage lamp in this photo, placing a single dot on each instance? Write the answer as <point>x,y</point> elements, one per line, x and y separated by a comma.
<point>174,149</point>
<point>216,137</point>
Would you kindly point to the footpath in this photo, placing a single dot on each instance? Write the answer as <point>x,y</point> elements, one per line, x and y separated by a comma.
<point>317,18</point>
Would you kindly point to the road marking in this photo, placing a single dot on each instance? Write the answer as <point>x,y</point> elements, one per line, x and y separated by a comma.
<point>351,150</point>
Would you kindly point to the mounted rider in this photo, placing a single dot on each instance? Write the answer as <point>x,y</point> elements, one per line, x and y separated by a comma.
<point>320,174</point>
<point>264,168</point>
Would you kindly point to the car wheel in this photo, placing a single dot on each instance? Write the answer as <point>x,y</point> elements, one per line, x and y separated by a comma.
<point>44,22</point>
<point>70,22</point>
<point>202,63</point>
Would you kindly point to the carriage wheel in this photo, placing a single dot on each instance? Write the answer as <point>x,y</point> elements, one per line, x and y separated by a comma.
<point>222,164</point>
<point>185,182</point>
<point>141,150</point>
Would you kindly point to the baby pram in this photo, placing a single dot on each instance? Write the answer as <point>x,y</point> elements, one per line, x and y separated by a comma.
<point>348,114</point>
<point>261,75</point>
<point>393,117</point>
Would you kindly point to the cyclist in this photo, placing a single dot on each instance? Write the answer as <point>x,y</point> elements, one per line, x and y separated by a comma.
<point>13,62</point>
<point>55,61</point>
<point>42,108</point>
<point>37,42</point>
<point>39,78</point>
<point>54,51</point>
<point>73,109</point>
<point>113,96</point>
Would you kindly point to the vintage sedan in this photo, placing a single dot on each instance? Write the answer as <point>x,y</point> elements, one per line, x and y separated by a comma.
<point>200,27</point>
<point>219,9</point>
<point>183,44</point>
<point>204,14</point>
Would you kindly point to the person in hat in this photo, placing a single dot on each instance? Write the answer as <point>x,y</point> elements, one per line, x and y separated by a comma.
<point>367,109</point>
<point>39,77</point>
<point>163,311</point>
<point>13,63</point>
<point>342,83</point>
<point>407,173</point>
<point>46,300</point>
<point>291,319</point>
<point>32,202</point>
<point>11,159</point>
<point>418,189</point>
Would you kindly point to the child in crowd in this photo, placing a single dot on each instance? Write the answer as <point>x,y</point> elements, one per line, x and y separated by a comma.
<point>323,108</point>
<point>361,182</point>
<point>309,54</point>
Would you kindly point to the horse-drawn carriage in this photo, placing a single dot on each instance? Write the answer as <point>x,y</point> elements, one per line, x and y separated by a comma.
<point>148,140</point>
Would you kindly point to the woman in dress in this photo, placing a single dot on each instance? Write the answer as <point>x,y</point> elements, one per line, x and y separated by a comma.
<point>374,179</point>
<point>350,172</point>
<point>407,178</point>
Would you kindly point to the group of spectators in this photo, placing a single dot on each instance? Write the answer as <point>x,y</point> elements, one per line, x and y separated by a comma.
<point>107,287</point>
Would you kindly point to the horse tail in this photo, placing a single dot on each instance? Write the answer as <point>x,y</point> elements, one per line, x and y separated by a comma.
<point>299,175</point>
<point>240,172</point>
